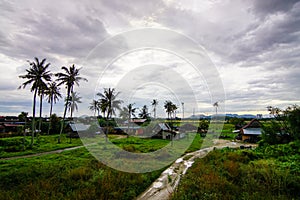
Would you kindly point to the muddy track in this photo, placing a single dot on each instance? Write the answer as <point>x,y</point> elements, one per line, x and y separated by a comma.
<point>165,185</point>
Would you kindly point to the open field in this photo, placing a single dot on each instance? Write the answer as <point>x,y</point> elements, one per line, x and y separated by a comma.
<point>14,146</point>
<point>69,175</point>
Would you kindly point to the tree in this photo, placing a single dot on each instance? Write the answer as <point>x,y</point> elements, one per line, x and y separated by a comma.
<point>109,99</point>
<point>94,106</point>
<point>154,103</point>
<point>127,113</point>
<point>69,77</point>
<point>53,95</point>
<point>170,109</point>
<point>73,102</point>
<point>288,120</point>
<point>37,76</point>
<point>216,105</point>
<point>144,113</point>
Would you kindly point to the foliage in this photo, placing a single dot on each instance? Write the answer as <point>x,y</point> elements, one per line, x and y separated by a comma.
<point>110,102</point>
<point>69,175</point>
<point>285,126</point>
<point>37,76</point>
<point>270,172</point>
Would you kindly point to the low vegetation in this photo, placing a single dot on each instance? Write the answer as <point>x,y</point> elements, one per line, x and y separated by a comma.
<point>18,146</point>
<point>69,175</point>
<point>268,172</point>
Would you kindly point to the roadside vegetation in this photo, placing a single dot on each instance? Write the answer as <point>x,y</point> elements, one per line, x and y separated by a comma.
<point>268,172</point>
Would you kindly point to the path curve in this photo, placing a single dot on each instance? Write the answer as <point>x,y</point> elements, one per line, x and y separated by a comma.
<point>42,153</point>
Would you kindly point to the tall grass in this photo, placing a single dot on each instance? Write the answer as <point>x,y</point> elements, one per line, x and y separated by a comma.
<point>237,174</point>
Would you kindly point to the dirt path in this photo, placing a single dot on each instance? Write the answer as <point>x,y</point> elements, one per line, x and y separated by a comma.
<point>42,153</point>
<point>165,185</point>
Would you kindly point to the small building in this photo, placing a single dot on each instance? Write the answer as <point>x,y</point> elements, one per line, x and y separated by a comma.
<point>164,131</point>
<point>131,129</point>
<point>251,131</point>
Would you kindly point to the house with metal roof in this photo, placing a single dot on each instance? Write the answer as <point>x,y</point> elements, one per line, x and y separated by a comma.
<point>251,131</point>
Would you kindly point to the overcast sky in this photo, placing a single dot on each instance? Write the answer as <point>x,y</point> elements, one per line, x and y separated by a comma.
<point>254,45</point>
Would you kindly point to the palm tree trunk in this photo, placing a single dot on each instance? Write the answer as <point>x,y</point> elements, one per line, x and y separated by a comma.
<point>64,116</point>
<point>33,118</point>
<point>51,106</point>
<point>40,122</point>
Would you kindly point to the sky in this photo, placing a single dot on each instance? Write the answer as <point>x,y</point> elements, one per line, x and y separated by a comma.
<point>248,55</point>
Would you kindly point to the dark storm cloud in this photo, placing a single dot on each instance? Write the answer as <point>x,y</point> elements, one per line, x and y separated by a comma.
<point>265,7</point>
<point>38,31</point>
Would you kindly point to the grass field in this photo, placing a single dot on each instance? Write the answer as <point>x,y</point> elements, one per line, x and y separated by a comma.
<point>69,175</point>
<point>10,147</point>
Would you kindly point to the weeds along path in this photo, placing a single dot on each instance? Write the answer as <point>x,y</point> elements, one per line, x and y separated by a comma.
<point>164,186</point>
<point>42,153</point>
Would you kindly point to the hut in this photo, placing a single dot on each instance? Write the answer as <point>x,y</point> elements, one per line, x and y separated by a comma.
<point>251,132</point>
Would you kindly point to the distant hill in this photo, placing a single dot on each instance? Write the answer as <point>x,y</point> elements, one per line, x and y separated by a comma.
<point>201,116</point>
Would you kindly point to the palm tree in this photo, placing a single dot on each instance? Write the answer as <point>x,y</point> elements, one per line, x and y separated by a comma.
<point>216,105</point>
<point>174,108</point>
<point>109,99</point>
<point>69,78</point>
<point>41,93</point>
<point>103,104</point>
<point>94,106</point>
<point>126,113</point>
<point>168,106</point>
<point>144,113</point>
<point>72,102</point>
<point>53,94</point>
<point>37,76</point>
<point>154,103</point>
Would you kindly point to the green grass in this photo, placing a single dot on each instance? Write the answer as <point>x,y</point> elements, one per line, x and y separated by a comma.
<point>270,172</point>
<point>69,175</point>
<point>10,147</point>
<point>140,145</point>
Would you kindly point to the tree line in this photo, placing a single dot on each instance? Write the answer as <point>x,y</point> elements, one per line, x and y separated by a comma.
<point>45,85</point>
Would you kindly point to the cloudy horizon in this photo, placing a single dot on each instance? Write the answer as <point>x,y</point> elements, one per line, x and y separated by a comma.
<point>254,46</point>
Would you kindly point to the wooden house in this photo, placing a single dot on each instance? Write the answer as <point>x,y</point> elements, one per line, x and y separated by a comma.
<point>251,131</point>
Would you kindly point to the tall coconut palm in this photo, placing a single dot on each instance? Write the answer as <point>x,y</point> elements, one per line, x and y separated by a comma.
<point>73,102</point>
<point>126,113</point>
<point>41,93</point>
<point>216,105</point>
<point>154,103</point>
<point>144,112</point>
<point>94,106</point>
<point>103,104</point>
<point>53,95</point>
<point>69,77</point>
<point>37,76</point>
<point>169,108</point>
<point>109,98</point>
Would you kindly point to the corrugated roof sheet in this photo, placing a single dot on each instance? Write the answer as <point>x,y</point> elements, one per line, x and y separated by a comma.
<point>252,131</point>
<point>79,127</point>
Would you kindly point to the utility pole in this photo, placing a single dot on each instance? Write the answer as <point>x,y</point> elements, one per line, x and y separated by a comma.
<point>182,103</point>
